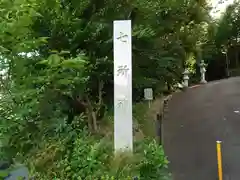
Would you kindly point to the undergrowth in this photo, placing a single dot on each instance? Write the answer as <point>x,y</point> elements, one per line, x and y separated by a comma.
<point>73,153</point>
<point>93,158</point>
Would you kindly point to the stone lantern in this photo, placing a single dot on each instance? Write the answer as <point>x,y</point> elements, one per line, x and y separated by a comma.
<point>203,71</point>
<point>185,78</point>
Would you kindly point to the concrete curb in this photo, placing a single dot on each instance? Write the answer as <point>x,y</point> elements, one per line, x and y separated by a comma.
<point>195,86</point>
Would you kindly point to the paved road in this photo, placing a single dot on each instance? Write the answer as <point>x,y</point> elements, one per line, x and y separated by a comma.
<point>194,121</point>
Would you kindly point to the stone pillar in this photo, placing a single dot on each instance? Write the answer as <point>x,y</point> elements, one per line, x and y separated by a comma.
<point>185,78</point>
<point>203,71</point>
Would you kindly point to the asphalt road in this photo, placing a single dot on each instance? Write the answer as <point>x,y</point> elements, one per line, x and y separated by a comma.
<point>195,120</point>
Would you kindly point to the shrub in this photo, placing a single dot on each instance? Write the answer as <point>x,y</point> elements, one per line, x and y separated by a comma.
<point>92,158</point>
<point>154,163</point>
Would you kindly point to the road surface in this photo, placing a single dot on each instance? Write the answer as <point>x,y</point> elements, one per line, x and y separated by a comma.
<point>194,121</point>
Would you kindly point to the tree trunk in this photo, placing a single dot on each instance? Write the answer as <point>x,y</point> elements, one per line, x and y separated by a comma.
<point>94,121</point>
<point>92,124</point>
<point>90,127</point>
<point>93,111</point>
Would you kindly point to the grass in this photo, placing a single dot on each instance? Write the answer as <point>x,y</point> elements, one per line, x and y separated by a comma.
<point>144,124</point>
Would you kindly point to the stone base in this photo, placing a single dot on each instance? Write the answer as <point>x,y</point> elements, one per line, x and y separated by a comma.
<point>184,88</point>
<point>203,81</point>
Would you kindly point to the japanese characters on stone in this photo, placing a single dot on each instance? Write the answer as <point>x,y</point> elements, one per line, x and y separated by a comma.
<point>121,102</point>
<point>122,37</point>
<point>122,70</point>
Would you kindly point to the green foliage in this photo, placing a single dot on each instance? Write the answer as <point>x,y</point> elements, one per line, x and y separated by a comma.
<point>162,34</point>
<point>3,174</point>
<point>222,45</point>
<point>55,50</point>
<point>93,158</point>
<point>154,164</point>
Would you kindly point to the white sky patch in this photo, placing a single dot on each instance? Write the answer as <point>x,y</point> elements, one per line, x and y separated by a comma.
<point>219,7</point>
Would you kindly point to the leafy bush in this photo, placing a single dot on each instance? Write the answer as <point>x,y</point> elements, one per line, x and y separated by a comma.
<point>154,163</point>
<point>92,158</point>
<point>51,49</point>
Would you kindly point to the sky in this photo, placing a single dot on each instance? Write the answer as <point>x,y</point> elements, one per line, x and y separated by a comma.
<point>219,8</point>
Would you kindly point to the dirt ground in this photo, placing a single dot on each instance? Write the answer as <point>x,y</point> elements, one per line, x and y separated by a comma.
<point>195,120</point>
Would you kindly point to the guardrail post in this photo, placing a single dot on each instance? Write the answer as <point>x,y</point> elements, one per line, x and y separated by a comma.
<point>159,128</point>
